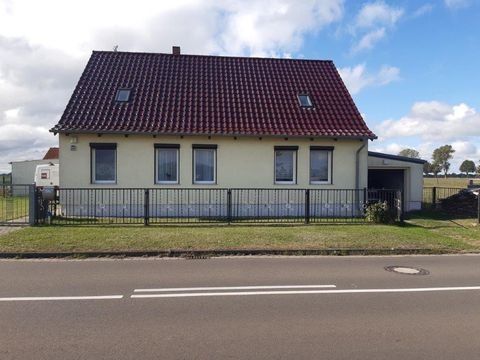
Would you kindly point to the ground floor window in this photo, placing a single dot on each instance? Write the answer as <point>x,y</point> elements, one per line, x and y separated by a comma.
<point>286,164</point>
<point>166,163</point>
<point>321,164</point>
<point>204,164</point>
<point>103,163</point>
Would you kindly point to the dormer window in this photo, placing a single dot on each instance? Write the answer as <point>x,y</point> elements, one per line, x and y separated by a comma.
<point>305,101</point>
<point>123,95</point>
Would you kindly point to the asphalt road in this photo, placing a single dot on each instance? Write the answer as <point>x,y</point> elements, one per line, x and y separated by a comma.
<point>241,308</point>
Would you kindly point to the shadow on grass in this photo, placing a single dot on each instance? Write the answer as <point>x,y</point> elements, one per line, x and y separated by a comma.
<point>438,219</point>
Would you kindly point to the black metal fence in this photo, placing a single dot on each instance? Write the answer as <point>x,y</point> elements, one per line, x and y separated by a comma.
<point>185,205</point>
<point>432,196</point>
<point>15,204</point>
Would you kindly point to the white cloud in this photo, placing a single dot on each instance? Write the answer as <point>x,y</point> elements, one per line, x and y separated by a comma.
<point>357,78</point>
<point>261,28</point>
<point>377,14</point>
<point>369,40</point>
<point>422,10</point>
<point>457,4</point>
<point>434,120</point>
<point>372,22</point>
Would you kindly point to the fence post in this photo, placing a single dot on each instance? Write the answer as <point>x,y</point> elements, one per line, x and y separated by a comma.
<point>229,205</point>
<point>401,207</point>
<point>307,206</point>
<point>32,207</point>
<point>146,204</point>
<point>434,197</point>
<point>478,207</point>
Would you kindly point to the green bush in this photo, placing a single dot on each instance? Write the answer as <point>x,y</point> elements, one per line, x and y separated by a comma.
<point>380,213</point>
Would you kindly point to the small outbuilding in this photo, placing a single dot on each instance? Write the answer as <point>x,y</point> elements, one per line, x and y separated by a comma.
<point>387,171</point>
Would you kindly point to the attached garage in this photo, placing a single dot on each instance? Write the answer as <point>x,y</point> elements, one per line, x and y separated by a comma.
<point>387,171</point>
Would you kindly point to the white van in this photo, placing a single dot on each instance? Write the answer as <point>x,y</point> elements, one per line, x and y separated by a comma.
<point>47,175</point>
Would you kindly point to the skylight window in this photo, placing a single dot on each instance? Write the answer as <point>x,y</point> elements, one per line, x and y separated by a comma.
<point>123,95</point>
<point>305,101</point>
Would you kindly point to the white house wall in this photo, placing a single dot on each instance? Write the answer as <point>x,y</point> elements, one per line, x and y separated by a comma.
<point>244,162</point>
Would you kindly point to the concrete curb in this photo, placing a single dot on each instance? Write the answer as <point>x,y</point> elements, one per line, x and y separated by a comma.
<point>203,254</point>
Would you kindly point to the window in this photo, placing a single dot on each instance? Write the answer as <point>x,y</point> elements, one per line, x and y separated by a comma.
<point>305,101</point>
<point>321,164</point>
<point>123,95</point>
<point>204,164</point>
<point>166,163</point>
<point>104,163</point>
<point>286,164</point>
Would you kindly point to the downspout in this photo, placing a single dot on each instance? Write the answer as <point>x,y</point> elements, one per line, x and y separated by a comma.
<point>357,164</point>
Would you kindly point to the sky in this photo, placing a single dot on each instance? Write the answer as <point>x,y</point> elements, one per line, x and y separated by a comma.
<point>412,66</point>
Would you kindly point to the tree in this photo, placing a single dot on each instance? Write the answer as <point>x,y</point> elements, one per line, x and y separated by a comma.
<point>411,153</point>
<point>441,156</point>
<point>427,168</point>
<point>468,166</point>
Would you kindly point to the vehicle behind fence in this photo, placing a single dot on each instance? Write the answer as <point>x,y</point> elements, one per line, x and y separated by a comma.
<point>15,204</point>
<point>174,205</point>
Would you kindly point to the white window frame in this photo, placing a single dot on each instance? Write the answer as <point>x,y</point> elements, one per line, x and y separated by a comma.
<point>329,151</point>
<point>294,151</point>
<point>158,148</point>
<point>206,147</point>
<point>93,149</point>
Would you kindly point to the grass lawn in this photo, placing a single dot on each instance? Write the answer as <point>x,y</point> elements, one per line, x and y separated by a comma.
<point>421,231</point>
<point>448,182</point>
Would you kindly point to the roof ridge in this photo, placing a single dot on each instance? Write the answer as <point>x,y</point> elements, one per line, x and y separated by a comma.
<point>209,56</point>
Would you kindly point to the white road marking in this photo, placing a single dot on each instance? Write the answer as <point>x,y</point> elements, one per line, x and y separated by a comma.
<point>307,292</point>
<point>236,288</point>
<point>58,298</point>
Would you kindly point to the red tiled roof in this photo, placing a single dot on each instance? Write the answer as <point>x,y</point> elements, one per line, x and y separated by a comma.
<point>51,154</point>
<point>214,95</point>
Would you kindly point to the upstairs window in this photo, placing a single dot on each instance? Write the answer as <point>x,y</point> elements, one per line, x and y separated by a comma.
<point>305,101</point>
<point>123,95</point>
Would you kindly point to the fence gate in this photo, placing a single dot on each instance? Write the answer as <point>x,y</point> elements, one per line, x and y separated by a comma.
<point>15,204</point>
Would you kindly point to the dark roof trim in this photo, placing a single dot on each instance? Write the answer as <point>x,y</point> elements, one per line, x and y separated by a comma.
<point>204,146</point>
<point>103,145</point>
<point>329,148</point>
<point>132,132</point>
<point>396,157</point>
<point>167,146</point>
<point>286,147</point>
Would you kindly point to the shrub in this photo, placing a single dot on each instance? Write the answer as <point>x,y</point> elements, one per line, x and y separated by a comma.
<point>380,213</point>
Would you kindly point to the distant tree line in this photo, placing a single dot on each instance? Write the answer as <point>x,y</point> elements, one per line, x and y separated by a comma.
<point>441,161</point>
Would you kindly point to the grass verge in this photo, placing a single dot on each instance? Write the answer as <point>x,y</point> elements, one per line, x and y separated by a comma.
<point>422,230</point>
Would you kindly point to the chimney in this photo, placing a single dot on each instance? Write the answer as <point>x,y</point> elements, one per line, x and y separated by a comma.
<point>176,50</point>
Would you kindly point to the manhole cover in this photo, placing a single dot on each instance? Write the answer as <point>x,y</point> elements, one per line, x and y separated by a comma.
<point>407,270</point>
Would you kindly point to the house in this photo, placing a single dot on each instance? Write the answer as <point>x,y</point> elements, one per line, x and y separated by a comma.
<point>23,172</point>
<point>154,120</point>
